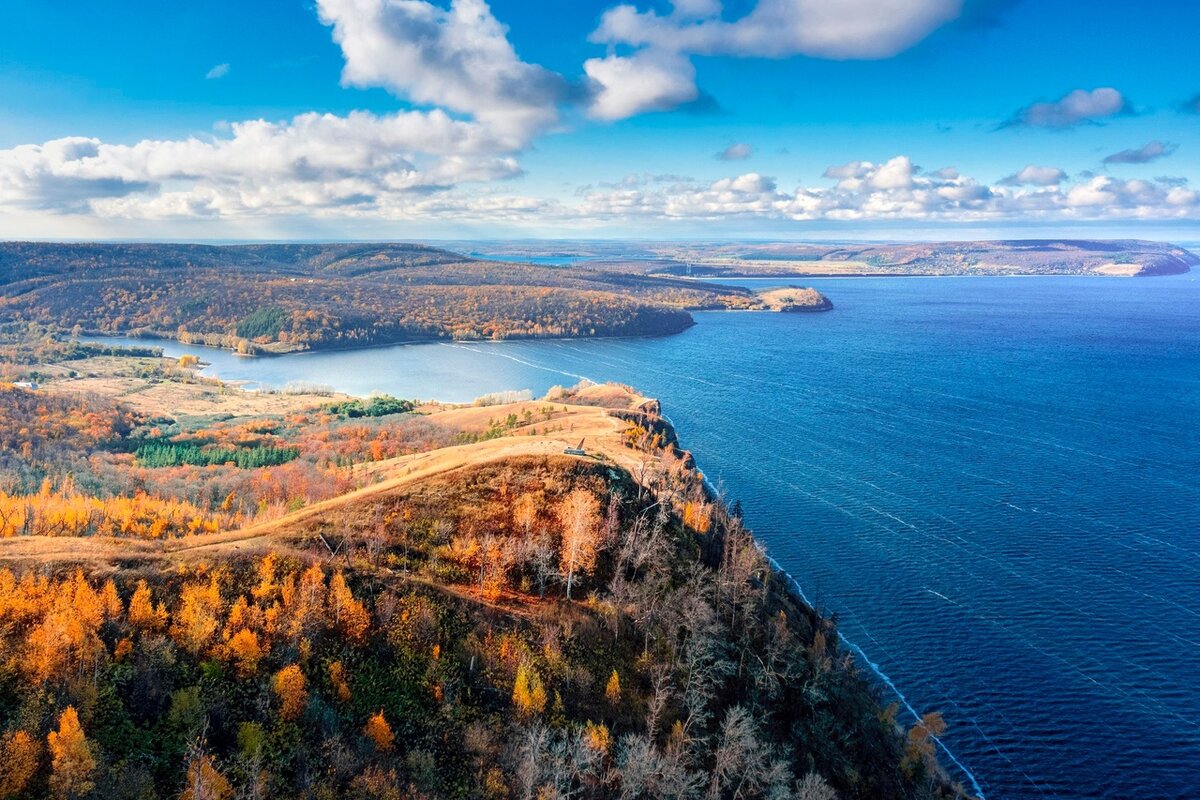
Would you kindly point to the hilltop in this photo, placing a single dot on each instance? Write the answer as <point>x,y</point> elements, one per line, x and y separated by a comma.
<point>381,600</point>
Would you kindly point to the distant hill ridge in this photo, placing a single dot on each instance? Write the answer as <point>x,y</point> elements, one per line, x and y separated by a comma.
<point>1126,257</point>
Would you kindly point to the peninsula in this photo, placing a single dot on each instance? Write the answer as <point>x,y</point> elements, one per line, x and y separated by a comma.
<point>309,594</point>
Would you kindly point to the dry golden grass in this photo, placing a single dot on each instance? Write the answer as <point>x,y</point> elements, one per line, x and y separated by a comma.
<point>602,436</point>
<point>124,380</point>
<point>1119,270</point>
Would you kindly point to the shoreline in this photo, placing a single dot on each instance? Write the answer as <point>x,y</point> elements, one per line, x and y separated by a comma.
<point>796,591</point>
<point>793,586</point>
<point>867,275</point>
<point>100,338</point>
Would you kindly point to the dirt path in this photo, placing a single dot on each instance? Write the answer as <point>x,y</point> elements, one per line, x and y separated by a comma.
<point>602,439</point>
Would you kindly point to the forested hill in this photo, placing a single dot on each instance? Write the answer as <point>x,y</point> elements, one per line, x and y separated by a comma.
<point>281,297</point>
<point>432,603</point>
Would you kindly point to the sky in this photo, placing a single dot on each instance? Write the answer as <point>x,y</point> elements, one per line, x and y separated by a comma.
<point>496,119</point>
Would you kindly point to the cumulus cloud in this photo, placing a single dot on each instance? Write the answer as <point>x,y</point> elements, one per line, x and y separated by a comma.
<point>771,29</point>
<point>780,28</point>
<point>738,151</point>
<point>219,71</point>
<point>897,189</point>
<point>649,80</point>
<point>1150,151</point>
<point>1074,108</point>
<point>457,58</point>
<point>1036,176</point>
<point>311,161</point>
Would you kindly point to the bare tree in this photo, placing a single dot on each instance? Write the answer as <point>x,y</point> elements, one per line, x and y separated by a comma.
<point>538,552</point>
<point>813,787</point>
<point>660,695</point>
<point>743,765</point>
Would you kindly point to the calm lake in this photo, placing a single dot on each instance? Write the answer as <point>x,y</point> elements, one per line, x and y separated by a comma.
<point>992,481</point>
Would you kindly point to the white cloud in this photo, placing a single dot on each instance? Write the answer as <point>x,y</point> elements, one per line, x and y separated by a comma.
<point>898,190</point>
<point>219,71</point>
<point>458,58</point>
<point>1035,175</point>
<point>780,28</point>
<point>1074,108</point>
<point>311,161</point>
<point>649,80</point>
<point>1150,151</point>
<point>738,151</point>
<point>772,29</point>
<point>428,165</point>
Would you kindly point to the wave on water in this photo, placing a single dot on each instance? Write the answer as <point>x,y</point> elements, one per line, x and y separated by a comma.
<point>859,652</point>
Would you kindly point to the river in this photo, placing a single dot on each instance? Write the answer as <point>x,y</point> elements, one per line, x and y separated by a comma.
<point>991,481</point>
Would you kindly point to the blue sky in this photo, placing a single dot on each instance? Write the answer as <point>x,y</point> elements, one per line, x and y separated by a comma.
<point>406,118</point>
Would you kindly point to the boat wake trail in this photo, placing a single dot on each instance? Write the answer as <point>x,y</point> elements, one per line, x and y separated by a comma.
<point>519,361</point>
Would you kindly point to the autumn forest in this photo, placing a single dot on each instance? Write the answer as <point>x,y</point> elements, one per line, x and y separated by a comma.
<point>207,593</point>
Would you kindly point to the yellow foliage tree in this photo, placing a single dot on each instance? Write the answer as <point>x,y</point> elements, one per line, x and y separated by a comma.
<point>71,760</point>
<point>289,687</point>
<point>697,516</point>
<point>337,676</point>
<point>19,757</point>
<point>920,746</point>
<point>597,737</point>
<point>205,782</point>
<point>348,614</point>
<point>267,585</point>
<point>529,695</point>
<point>142,614</point>
<point>612,692</point>
<point>67,635</point>
<point>198,618</point>
<point>525,513</point>
<point>110,601</point>
<point>305,604</point>
<point>244,650</point>
<point>380,732</point>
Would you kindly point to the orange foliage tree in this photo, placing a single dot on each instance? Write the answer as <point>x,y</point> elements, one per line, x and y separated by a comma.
<point>204,781</point>
<point>290,687</point>
<point>71,760</point>
<point>19,757</point>
<point>380,732</point>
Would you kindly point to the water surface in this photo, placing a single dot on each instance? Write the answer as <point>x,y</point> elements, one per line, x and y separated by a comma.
<point>992,482</point>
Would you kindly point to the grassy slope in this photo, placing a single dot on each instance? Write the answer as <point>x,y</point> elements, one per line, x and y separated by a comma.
<point>810,708</point>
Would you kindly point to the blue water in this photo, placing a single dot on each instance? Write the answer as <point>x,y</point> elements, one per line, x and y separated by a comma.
<point>992,482</point>
<point>541,261</point>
